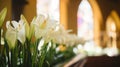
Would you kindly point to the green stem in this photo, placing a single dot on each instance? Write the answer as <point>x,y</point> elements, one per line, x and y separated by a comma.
<point>24,57</point>
<point>43,55</point>
<point>27,54</point>
<point>20,55</point>
<point>34,58</point>
<point>0,39</point>
<point>7,52</point>
<point>13,57</point>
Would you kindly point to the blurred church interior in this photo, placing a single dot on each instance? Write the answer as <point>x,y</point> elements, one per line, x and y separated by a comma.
<point>95,21</point>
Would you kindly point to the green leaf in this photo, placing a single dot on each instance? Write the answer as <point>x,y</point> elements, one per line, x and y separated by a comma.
<point>2,16</point>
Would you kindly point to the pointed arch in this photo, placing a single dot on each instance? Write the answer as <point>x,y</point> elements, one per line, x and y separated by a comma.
<point>85,20</point>
<point>98,21</point>
<point>113,29</point>
<point>114,16</point>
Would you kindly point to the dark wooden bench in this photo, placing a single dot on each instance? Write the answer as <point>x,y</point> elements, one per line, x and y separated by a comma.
<point>98,61</point>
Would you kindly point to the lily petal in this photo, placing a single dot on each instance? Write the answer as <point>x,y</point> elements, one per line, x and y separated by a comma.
<point>11,37</point>
<point>27,27</point>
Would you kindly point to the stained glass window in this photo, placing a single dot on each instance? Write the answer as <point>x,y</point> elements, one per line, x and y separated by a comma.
<point>85,20</point>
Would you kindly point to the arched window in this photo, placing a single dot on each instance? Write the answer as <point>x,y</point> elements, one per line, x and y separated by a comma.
<point>85,20</point>
<point>112,28</point>
<point>50,7</point>
<point>111,32</point>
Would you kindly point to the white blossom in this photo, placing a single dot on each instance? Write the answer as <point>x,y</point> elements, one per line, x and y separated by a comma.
<point>11,35</point>
<point>17,30</point>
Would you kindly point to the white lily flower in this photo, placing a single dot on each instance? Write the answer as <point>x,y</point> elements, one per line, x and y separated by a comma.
<point>21,32</point>
<point>40,19</point>
<point>19,28</point>
<point>27,27</point>
<point>51,29</point>
<point>61,36</point>
<point>40,26</point>
<point>11,35</point>
<point>30,29</point>
<point>44,28</point>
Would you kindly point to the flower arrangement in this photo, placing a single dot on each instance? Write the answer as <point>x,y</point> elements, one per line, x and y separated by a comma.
<point>41,43</point>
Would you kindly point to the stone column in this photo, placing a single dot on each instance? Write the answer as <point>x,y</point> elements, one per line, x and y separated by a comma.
<point>68,14</point>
